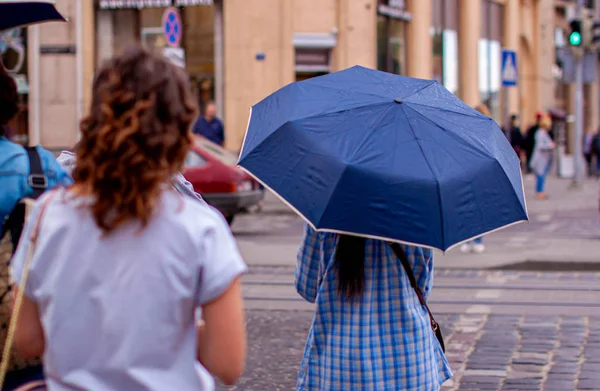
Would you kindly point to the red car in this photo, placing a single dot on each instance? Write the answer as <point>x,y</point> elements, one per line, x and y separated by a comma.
<point>214,174</point>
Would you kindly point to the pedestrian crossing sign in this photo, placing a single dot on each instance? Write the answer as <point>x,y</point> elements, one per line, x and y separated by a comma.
<point>509,68</point>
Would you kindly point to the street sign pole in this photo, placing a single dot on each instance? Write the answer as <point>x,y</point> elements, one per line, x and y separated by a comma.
<point>578,147</point>
<point>510,79</point>
<point>507,113</point>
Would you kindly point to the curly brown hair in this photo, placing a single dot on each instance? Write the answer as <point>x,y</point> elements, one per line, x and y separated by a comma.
<point>135,137</point>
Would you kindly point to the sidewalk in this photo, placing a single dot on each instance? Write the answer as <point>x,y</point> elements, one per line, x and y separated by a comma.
<point>562,198</point>
<point>565,228</point>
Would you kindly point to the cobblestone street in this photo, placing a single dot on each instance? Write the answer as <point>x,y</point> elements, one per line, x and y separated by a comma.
<point>525,315</point>
<point>486,352</point>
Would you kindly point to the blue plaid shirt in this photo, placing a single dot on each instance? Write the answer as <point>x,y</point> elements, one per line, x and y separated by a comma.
<point>382,341</point>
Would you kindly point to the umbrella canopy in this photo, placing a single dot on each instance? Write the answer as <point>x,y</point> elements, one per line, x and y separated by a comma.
<point>389,157</point>
<point>14,13</point>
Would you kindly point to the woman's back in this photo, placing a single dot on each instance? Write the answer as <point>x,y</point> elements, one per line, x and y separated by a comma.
<point>118,311</point>
<point>121,262</point>
<point>381,340</point>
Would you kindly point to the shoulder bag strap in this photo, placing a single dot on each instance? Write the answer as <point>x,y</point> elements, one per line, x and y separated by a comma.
<point>20,294</point>
<point>37,180</point>
<point>399,251</point>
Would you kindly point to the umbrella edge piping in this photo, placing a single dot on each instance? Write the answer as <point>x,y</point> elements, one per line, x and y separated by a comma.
<point>526,220</point>
<point>245,136</point>
<point>278,196</point>
<point>373,236</point>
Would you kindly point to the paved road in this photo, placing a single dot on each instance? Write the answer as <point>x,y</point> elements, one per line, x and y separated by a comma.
<point>523,316</point>
<point>486,352</point>
<point>545,335</point>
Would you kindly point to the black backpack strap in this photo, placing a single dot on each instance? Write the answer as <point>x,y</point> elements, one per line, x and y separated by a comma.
<point>37,180</point>
<point>399,251</point>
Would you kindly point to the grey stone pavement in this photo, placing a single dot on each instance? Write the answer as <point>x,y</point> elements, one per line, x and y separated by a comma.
<point>524,315</point>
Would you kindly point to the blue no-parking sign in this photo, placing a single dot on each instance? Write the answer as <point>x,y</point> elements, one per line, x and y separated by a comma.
<point>171,23</point>
<point>509,73</point>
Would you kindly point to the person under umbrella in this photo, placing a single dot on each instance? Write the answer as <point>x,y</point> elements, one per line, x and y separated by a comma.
<point>383,169</point>
<point>370,328</point>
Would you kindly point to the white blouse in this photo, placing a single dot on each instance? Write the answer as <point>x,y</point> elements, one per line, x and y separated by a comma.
<point>118,311</point>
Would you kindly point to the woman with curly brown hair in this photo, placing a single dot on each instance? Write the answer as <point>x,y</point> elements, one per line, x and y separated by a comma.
<point>122,261</point>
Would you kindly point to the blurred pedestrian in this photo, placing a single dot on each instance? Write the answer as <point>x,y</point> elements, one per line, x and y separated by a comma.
<point>370,330</point>
<point>24,172</point>
<point>209,126</point>
<point>530,140</point>
<point>132,258</point>
<point>476,245</point>
<point>588,151</point>
<point>543,155</point>
<point>596,150</point>
<point>517,140</point>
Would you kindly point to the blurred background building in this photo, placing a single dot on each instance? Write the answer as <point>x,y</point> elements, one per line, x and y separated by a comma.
<point>236,52</point>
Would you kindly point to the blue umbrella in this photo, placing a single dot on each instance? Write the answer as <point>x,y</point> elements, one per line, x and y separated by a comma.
<point>15,13</point>
<point>388,157</point>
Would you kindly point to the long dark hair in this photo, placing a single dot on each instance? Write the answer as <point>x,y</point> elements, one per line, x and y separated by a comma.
<point>350,266</point>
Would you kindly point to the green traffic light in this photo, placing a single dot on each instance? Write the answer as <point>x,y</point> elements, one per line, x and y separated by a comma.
<point>575,39</point>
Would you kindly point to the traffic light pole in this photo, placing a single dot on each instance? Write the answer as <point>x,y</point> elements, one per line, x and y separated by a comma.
<point>578,147</point>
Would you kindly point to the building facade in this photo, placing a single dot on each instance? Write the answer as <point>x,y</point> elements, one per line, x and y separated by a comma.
<point>239,51</point>
<point>457,42</point>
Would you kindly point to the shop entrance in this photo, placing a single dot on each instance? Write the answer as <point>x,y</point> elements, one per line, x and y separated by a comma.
<point>145,26</point>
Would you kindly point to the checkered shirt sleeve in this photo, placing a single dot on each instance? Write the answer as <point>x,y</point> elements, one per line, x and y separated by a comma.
<point>306,276</point>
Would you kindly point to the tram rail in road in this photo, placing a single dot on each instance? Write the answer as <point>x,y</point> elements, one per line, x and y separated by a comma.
<point>489,292</point>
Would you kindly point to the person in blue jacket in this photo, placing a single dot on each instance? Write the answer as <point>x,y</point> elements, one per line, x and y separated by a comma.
<point>14,163</point>
<point>209,126</point>
<point>15,183</point>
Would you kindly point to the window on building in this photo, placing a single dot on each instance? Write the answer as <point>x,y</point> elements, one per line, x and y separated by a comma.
<point>313,60</point>
<point>391,36</point>
<point>490,55</point>
<point>313,54</point>
<point>141,20</point>
<point>445,43</point>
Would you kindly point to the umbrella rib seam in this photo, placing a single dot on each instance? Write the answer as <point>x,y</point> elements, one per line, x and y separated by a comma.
<point>475,114</point>
<point>450,133</point>
<point>495,161</point>
<point>420,89</point>
<point>346,91</point>
<point>437,182</point>
<point>294,121</point>
<point>371,75</point>
<point>443,147</point>
<point>331,196</point>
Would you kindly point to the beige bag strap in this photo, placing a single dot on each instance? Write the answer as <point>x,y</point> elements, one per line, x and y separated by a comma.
<point>19,298</point>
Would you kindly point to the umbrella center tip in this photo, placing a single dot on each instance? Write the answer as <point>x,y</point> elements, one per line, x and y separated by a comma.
<point>398,100</point>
